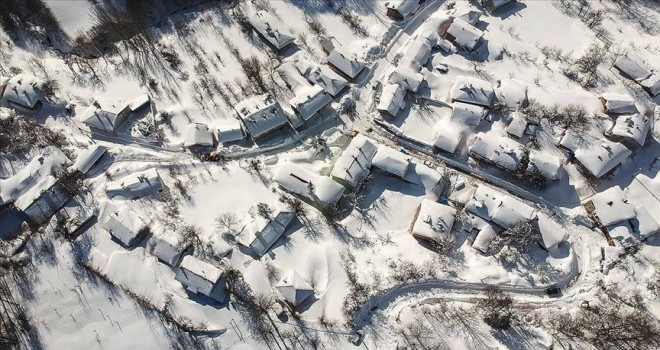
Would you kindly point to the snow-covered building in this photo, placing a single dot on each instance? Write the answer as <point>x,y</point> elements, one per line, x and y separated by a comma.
<point>391,100</point>
<point>652,84</point>
<point>500,151</point>
<point>319,190</point>
<point>273,32</point>
<point>468,114</point>
<point>401,9</point>
<point>308,99</point>
<point>643,192</point>
<point>168,248</point>
<point>345,63</point>
<point>544,164</point>
<point>512,211</point>
<point>449,135</point>
<point>472,90</point>
<point>417,52</point>
<point>512,93</point>
<point>495,5</point>
<point>123,223</point>
<point>354,164</point>
<point>517,126</point>
<point>432,220</point>
<point>87,158</point>
<point>632,67</point>
<point>197,135</point>
<point>631,130</point>
<point>552,233</point>
<point>322,76</point>
<point>261,115</point>
<point>136,185</point>
<point>230,131</point>
<point>407,78</point>
<point>22,92</point>
<point>42,201</point>
<point>616,103</point>
<point>463,34</point>
<point>99,119</point>
<point>391,161</point>
<point>294,288</point>
<point>260,233</point>
<point>483,238</point>
<point>610,206</point>
<point>484,202</point>
<point>200,277</point>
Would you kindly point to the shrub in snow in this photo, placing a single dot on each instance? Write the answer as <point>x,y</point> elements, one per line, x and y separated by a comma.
<point>497,308</point>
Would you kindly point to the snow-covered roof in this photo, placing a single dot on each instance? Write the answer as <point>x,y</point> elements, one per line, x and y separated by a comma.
<point>98,118</point>
<point>618,103</point>
<point>229,131</point>
<point>601,157</point>
<point>652,84</point>
<point>493,5</point>
<point>484,202</point>
<point>611,207</point>
<point>137,103</point>
<point>417,52</point>
<point>403,7</point>
<point>197,134</point>
<point>501,151</point>
<point>391,161</point>
<point>261,114</point>
<point>88,157</point>
<point>392,99</point>
<point>23,91</point>
<point>484,237</point>
<point>273,31</point>
<point>355,162</point>
<point>323,76</point>
<point>472,90</point>
<point>552,233</point>
<point>167,247</point>
<point>39,168</point>
<point>647,223</point>
<point>621,231</point>
<point>635,127</point>
<point>469,16</point>
<point>297,179</point>
<point>294,288</point>
<point>449,135</point>
<point>512,211</point>
<point>517,126</point>
<point>260,233</point>
<point>135,185</point>
<point>464,34</point>
<point>433,220</point>
<point>407,78</point>
<point>309,101</point>
<point>468,114</point>
<point>643,192</point>
<point>43,192</point>
<point>512,93</point>
<point>633,67</point>
<point>122,222</point>
<point>345,62</point>
<point>199,277</point>
<point>544,164</point>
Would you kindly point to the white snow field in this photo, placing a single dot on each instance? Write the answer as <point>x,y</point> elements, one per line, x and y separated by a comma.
<point>333,174</point>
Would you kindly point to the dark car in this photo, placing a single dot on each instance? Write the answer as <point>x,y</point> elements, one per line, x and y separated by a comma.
<point>553,292</point>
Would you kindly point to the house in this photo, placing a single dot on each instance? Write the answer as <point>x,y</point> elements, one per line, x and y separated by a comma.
<point>469,16</point>
<point>320,191</point>
<point>354,164</point>
<point>200,277</point>
<point>87,158</point>
<point>432,220</point>
<point>391,162</point>
<point>517,126</point>
<point>495,5</point>
<point>229,131</point>
<point>123,223</point>
<point>197,135</point>
<point>401,9</point>
<point>631,130</point>
<point>610,206</point>
<point>294,288</point>
<point>483,238</point>
<point>416,53</point>
<point>512,93</point>
<point>552,233</point>
<point>261,115</point>
<point>652,84</point>
<point>544,164</point>
<point>391,100</point>
<point>632,67</point>
<point>484,202</point>
<point>407,78</point>
<point>41,201</point>
<point>500,151</point>
<point>472,90</point>
<point>260,233</point>
<point>345,63</point>
<point>599,157</point>
<point>22,92</point>
<point>308,99</point>
<point>135,185</point>
<point>274,33</point>
<point>468,114</point>
<point>616,103</point>
<point>463,34</point>
<point>643,192</point>
<point>512,211</point>
<point>99,119</point>
<point>331,82</point>
<point>449,135</point>
<point>168,248</point>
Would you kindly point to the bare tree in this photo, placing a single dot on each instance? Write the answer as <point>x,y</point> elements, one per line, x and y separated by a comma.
<point>498,308</point>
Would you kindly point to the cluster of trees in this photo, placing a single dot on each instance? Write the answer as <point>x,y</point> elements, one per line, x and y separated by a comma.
<point>19,135</point>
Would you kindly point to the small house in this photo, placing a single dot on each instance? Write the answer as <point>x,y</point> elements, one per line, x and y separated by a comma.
<point>271,30</point>
<point>197,135</point>
<point>632,67</point>
<point>200,277</point>
<point>616,103</point>
<point>136,185</point>
<point>484,202</point>
<point>22,92</point>
<point>632,129</point>
<point>261,115</point>
<point>544,164</point>
<point>260,233</point>
<point>499,151</point>
<point>391,100</point>
<point>512,93</point>
<point>354,164</point>
<point>652,85</point>
<point>449,135</point>
<point>643,192</point>
<point>229,131</point>
<point>483,238</point>
<point>391,162</point>
<point>318,190</point>
<point>472,90</point>
<point>329,80</point>
<point>517,126</point>
<point>512,211</point>
<point>345,63</point>
<point>294,288</point>
<point>610,206</point>
<point>602,157</point>
<point>463,34</point>
<point>552,233</point>
<point>169,248</point>
<point>99,119</point>
<point>468,114</point>
<point>123,223</point>
<point>308,99</point>
<point>401,9</point>
<point>495,5</point>
<point>407,78</point>
<point>87,158</point>
<point>432,220</point>
<point>416,54</point>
